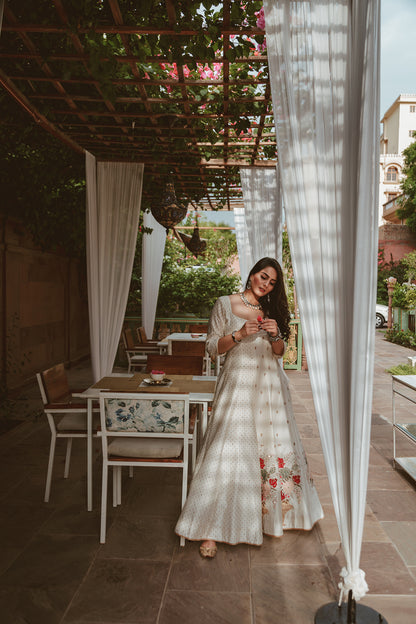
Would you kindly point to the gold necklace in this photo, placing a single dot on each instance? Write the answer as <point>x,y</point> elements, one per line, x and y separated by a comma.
<point>247,303</point>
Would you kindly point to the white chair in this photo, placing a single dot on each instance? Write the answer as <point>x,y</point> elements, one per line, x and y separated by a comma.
<point>67,419</point>
<point>142,429</point>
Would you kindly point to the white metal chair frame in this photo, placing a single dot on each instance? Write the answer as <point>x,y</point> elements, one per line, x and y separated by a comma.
<point>136,358</point>
<point>119,462</point>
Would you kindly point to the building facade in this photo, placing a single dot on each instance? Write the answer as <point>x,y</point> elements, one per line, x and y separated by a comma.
<point>399,124</point>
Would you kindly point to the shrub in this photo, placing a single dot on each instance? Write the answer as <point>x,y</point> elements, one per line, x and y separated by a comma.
<point>399,336</point>
<point>388,269</point>
<point>402,369</point>
<point>404,296</point>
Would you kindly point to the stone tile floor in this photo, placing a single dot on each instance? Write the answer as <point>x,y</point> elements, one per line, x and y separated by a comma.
<point>53,569</point>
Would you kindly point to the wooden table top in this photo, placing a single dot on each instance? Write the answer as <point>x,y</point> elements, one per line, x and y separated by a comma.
<point>181,384</point>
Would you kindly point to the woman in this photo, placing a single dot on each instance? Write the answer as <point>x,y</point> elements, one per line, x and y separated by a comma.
<point>251,475</point>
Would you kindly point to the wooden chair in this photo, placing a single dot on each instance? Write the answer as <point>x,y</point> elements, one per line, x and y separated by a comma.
<point>141,335</point>
<point>179,364</point>
<point>192,347</point>
<point>198,329</point>
<point>153,432</point>
<point>67,418</point>
<point>136,353</point>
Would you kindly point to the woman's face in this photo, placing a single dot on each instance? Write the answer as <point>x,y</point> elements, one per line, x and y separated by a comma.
<point>263,282</point>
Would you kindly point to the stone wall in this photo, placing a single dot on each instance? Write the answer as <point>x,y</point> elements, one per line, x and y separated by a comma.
<point>44,311</point>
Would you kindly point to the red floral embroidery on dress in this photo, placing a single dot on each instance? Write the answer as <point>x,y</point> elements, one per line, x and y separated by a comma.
<point>280,481</point>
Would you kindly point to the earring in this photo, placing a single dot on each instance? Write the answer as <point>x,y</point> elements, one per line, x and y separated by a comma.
<point>249,284</point>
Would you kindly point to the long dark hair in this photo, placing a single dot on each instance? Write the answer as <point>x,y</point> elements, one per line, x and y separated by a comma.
<point>274,304</point>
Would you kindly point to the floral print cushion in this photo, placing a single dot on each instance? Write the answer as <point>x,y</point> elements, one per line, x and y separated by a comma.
<point>159,416</point>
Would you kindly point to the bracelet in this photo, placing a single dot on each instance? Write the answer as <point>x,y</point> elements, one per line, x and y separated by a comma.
<point>275,338</point>
<point>233,336</point>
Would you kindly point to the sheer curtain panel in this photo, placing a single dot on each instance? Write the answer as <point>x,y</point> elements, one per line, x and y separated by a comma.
<point>324,72</point>
<point>153,248</point>
<point>113,206</point>
<point>245,257</point>
<point>263,211</point>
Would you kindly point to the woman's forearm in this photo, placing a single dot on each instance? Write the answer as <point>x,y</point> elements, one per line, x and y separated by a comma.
<point>278,347</point>
<point>226,342</point>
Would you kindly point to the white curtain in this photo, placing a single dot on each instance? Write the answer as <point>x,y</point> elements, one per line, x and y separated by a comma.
<point>262,212</point>
<point>324,71</point>
<point>113,207</point>
<point>245,257</point>
<point>152,259</point>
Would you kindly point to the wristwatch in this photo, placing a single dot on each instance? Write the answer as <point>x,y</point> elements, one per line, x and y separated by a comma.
<point>233,336</point>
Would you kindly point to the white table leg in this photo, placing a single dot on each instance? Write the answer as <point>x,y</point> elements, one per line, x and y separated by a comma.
<point>204,419</point>
<point>89,455</point>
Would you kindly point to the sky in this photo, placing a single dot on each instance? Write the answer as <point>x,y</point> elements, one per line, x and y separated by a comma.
<point>398,51</point>
<point>397,62</point>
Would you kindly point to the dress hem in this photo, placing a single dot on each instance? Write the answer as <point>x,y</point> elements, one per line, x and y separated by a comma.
<point>203,539</point>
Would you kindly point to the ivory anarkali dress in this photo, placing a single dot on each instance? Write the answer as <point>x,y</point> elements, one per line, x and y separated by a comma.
<point>251,475</point>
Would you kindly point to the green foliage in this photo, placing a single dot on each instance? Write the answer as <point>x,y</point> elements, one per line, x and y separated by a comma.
<point>194,291</point>
<point>409,262</point>
<point>288,271</point>
<point>385,270</point>
<point>408,186</point>
<point>190,284</point>
<point>399,296</point>
<point>404,296</point>
<point>401,337</point>
<point>402,369</point>
<point>42,182</point>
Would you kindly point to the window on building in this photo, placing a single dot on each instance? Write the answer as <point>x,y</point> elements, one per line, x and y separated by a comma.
<point>392,175</point>
<point>390,196</point>
<point>413,108</point>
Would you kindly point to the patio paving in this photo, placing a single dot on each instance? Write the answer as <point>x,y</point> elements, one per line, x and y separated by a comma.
<point>54,571</point>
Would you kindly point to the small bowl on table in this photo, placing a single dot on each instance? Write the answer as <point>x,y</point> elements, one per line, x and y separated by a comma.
<point>157,375</point>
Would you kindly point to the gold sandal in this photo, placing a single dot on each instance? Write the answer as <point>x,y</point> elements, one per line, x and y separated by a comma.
<point>208,551</point>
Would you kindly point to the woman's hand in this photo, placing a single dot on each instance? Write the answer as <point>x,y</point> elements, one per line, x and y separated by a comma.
<point>250,327</point>
<point>270,326</point>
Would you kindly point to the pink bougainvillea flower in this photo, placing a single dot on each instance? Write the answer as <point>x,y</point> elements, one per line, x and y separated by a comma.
<point>261,22</point>
<point>259,318</point>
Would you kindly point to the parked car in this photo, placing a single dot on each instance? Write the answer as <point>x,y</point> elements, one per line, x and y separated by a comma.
<point>382,314</point>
